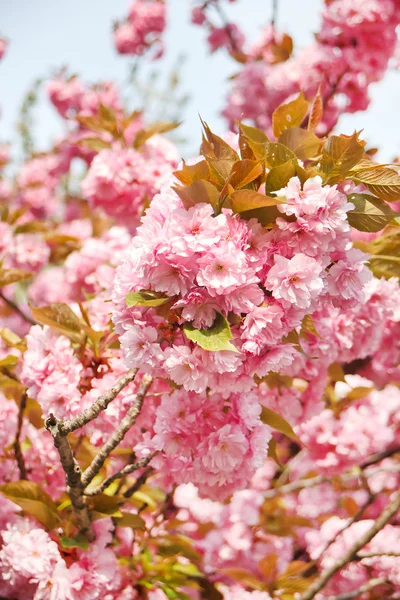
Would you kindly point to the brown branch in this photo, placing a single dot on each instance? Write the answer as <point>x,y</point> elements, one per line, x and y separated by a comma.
<point>17,309</point>
<point>139,482</point>
<point>140,464</point>
<point>378,554</point>
<point>295,486</point>
<point>351,553</point>
<point>73,475</point>
<point>97,407</point>
<point>375,458</point>
<point>119,433</point>
<point>274,12</point>
<point>17,444</point>
<point>361,590</point>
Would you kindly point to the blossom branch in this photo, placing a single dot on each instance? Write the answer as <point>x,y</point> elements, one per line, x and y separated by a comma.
<point>140,464</point>
<point>17,444</point>
<point>14,306</point>
<point>99,406</point>
<point>119,433</point>
<point>73,475</point>
<point>361,590</point>
<point>351,553</point>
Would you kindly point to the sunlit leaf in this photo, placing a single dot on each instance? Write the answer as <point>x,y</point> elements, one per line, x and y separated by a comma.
<point>94,143</point>
<point>304,144</point>
<point>190,173</point>
<point>308,327</point>
<point>33,500</point>
<point>244,200</point>
<point>155,128</point>
<point>244,172</point>
<point>381,180</point>
<point>316,111</point>
<point>339,155</point>
<point>275,421</point>
<point>215,147</point>
<point>370,214</point>
<point>197,192</point>
<point>8,276</point>
<point>252,142</point>
<point>131,520</point>
<point>246,578</point>
<point>59,316</point>
<point>289,115</point>
<point>79,541</point>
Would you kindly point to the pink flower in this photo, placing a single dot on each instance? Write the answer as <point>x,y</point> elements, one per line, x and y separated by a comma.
<point>141,347</point>
<point>348,277</point>
<point>222,270</point>
<point>296,281</point>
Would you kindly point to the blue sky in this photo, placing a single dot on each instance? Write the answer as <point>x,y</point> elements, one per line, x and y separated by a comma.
<point>46,34</point>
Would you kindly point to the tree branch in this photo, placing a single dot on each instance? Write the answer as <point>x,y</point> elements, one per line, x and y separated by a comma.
<point>139,482</point>
<point>351,553</point>
<point>17,445</point>
<point>73,475</point>
<point>119,433</point>
<point>361,590</point>
<point>140,464</point>
<point>17,309</point>
<point>97,407</point>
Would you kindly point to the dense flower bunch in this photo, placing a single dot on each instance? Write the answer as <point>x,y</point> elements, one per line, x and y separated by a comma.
<point>352,50</point>
<point>142,29</point>
<point>200,363</point>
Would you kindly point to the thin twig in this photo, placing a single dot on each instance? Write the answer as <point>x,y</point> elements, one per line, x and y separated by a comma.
<point>378,554</point>
<point>73,475</point>
<point>348,556</point>
<point>17,444</point>
<point>17,309</point>
<point>139,482</point>
<point>349,523</point>
<point>274,12</point>
<point>119,433</point>
<point>140,464</point>
<point>97,407</point>
<point>361,590</point>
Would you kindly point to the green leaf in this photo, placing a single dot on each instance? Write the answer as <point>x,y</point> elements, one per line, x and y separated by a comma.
<point>339,155</point>
<point>214,338</point>
<point>131,520</point>
<point>145,134</point>
<point>187,569</point>
<point>61,317</point>
<point>94,143</point>
<point>33,500</point>
<point>272,452</point>
<point>275,421</point>
<point>381,180</point>
<point>283,163</point>
<point>308,327</point>
<point>385,266</point>
<point>252,142</point>
<point>8,276</point>
<point>31,227</point>
<point>9,361</point>
<point>145,299</point>
<point>304,144</point>
<point>244,200</point>
<point>370,213</point>
<point>289,115</point>
<point>79,541</point>
<point>197,192</point>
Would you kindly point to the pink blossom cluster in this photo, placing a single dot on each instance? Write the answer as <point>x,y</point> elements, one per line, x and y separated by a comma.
<point>32,566</point>
<point>352,50</point>
<point>211,267</point>
<point>71,96</point>
<point>142,29</point>
<point>122,180</point>
<point>208,441</point>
